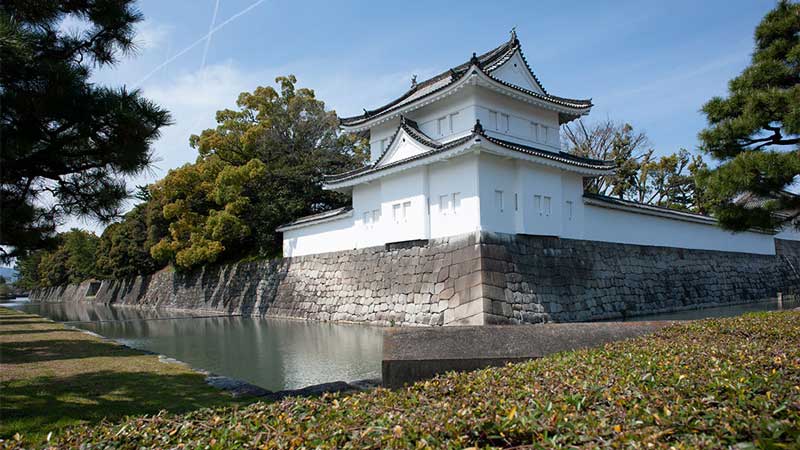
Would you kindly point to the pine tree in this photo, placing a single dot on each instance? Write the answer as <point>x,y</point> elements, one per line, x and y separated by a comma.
<point>754,131</point>
<point>65,139</point>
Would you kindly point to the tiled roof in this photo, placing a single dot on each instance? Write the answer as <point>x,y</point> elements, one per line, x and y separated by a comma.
<point>563,157</point>
<point>437,147</point>
<point>419,136</point>
<point>648,208</point>
<point>316,217</point>
<point>750,200</point>
<point>487,63</point>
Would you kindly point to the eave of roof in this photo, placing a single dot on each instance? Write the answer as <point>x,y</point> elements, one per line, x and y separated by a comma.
<point>477,134</point>
<point>486,63</point>
<point>322,217</point>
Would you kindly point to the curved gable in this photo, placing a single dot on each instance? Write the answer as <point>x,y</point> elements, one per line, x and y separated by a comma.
<point>515,71</point>
<point>403,146</point>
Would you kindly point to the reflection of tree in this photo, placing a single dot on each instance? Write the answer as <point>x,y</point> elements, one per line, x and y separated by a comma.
<point>274,354</point>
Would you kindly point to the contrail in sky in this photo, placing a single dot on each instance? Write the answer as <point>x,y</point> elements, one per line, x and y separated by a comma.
<point>199,41</point>
<point>208,39</point>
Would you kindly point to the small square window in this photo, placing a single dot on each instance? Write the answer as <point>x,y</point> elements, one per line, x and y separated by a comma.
<point>406,210</point>
<point>396,212</point>
<point>505,123</point>
<point>537,204</point>
<point>456,202</point>
<point>547,206</point>
<point>569,210</point>
<point>516,202</point>
<point>376,216</point>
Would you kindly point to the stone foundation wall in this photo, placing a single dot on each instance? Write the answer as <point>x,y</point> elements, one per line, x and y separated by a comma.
<point>478,278</point>
<point>532,279</point>
<point>420,285</point>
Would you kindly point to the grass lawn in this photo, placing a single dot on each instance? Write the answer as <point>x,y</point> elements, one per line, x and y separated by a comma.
<point>52,376</point>
<point>727,383</point>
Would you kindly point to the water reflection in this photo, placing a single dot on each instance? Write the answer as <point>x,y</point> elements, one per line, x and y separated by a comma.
<point>722,311</point>
<point>272,353</point>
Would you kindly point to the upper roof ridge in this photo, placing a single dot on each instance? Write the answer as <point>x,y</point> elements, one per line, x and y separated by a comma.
<point>487,63</point>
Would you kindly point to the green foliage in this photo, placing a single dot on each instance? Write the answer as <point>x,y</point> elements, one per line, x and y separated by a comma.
<point>124,248</point>
<point>609,141</point>
<point>206,204</point>
<point>668,181</point>
<point>754,131</point>
<point>261,167</point>
<point>63,136</point>
<point>727,383</point>
<point>28,269</point>
<point>72,261</point>
<point>297,140</point>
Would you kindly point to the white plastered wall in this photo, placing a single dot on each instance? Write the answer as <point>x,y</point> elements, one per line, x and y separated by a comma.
<point>613,225</point>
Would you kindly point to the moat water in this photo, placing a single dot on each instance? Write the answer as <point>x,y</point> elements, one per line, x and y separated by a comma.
<point>274,354</point>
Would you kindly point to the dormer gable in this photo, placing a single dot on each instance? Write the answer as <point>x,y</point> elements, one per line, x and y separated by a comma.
<point>408,141</point>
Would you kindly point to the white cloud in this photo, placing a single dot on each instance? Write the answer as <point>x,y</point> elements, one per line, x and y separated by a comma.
<point>193,98</point>
<point>152,35</point>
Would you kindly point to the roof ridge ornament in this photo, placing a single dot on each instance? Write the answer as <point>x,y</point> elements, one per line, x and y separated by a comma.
<point>474,60</point>
<point>478,128</point>
<point>413,81</point>
<point>514,39</point>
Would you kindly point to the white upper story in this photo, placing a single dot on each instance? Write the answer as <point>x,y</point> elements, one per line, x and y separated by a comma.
<point>478,148</point>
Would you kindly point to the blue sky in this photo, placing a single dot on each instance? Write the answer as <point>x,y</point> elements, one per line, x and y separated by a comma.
<point>652,64</point>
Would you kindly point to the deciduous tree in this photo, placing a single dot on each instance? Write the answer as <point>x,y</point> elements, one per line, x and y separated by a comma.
<point>609,141</point>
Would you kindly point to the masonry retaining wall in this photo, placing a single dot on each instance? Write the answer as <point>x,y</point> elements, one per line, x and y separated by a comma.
<point>477,278</point>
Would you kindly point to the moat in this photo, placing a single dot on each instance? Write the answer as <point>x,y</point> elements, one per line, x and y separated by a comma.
<point>274,354</point>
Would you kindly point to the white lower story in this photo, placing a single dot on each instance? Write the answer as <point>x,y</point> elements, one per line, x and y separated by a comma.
<point>479,191</point>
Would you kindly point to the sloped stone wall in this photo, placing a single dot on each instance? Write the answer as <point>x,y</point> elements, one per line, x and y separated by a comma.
<point>536,279</point>
<point>432,284</point>
<point>478,278</point>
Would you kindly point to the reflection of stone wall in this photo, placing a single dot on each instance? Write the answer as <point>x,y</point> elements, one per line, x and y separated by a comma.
<point>476,278</point>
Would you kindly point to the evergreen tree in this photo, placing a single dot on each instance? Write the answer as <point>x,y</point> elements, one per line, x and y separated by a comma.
<point>754,130</point>
<point>124,248</point>
<point>64,138</point>
<point>298,140</point>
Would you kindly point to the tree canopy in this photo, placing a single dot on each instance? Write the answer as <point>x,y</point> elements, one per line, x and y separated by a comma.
<point>72,261</point>
<point>753,131</point>
<point>641,176</point>
<point>67,142</point>
<point>297,139</point>
<point>260,167</point>
<point>207,205</point>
